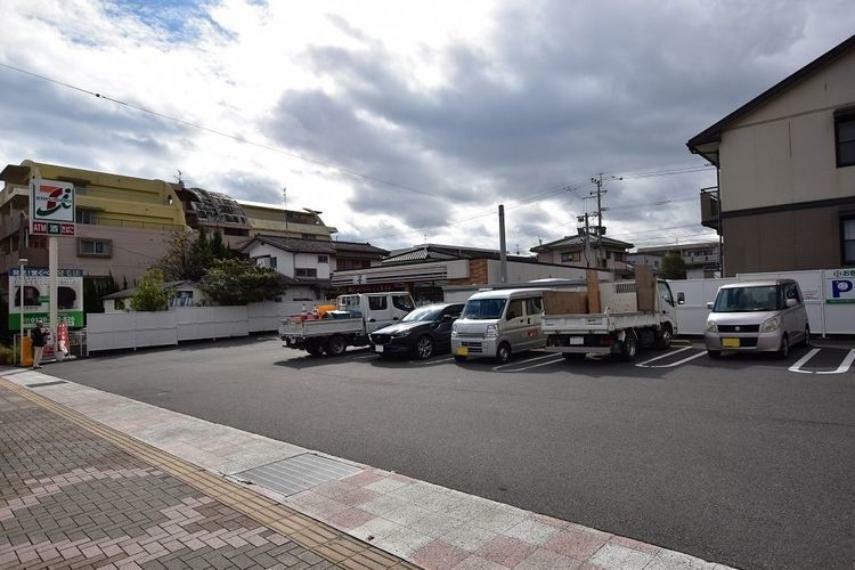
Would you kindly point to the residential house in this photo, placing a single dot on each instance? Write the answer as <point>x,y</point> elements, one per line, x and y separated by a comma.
<point>353,255</point>
<point>123,222</point>
<point>603,252</point>
<point>701,259</point>
<point>786,171</point>
<point>306,263</point>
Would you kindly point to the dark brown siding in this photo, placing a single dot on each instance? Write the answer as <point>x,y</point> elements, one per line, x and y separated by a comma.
<point>806,238</point>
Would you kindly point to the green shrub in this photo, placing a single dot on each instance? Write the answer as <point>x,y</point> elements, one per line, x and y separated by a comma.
<point>7,354</point>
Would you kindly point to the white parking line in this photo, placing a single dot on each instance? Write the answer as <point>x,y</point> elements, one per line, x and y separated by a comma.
<point>802,361</point>
<point>499,367</point>
<point>844,366</point>
<point>661,356</point>
<point>547,363</point>
<point>679,362</point>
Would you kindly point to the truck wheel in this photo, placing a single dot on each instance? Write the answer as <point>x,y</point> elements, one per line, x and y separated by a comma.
<point>630,346</point>
<point>424,347</point>
<point>335,345</point>
<point>574,356</point>
<point>503,353</point>
<point>664,338</point>
<point>314,348</point>
<point>714,354</point>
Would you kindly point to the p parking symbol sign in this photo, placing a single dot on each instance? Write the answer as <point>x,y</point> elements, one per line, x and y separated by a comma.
<point>840,286</point>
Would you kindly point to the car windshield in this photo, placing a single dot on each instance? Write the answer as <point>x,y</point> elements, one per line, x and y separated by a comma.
<point>747,299</point>
<point>423,314</point>
<point>483,309</point>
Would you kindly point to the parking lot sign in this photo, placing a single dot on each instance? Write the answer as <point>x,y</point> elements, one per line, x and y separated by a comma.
<point>51,208</point>
<point>840,286</point>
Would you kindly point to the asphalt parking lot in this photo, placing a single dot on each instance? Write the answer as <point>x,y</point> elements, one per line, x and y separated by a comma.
<point>747,461</point>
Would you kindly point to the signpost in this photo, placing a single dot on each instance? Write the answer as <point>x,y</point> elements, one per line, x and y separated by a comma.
<point>29,300</point>
<point>52,214</point>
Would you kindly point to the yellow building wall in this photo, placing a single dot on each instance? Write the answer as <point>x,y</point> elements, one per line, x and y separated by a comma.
<point>119,200</point>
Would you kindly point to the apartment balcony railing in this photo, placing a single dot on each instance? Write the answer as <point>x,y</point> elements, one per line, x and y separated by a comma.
<point>711,208</point>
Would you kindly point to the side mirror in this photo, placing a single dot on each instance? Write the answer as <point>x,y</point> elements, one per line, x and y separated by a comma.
<point>710,305</point>
<point>448,318</point>
<point>792,303</point>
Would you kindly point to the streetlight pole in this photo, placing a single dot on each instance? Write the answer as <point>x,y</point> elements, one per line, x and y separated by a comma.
<point>21,263</point>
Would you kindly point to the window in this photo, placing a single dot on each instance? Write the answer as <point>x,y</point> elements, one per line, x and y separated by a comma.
<point>308,236</point>
<point>665,293</point>
<point>273,262</point>
<point>323,259</point>
<point>306,272</point>
<point>534,306</point>
<point>569,256</point>
<point>844,134</point>
<point>515,310</point>
<point>377,303</point>
<point>94,247</point>
<point>403,302</point>
<point>847,239</point>
<point>84,216</point>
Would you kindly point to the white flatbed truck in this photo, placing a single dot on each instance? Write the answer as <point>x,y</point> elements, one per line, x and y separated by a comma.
<point>617,318</point>
<point>332,336</point>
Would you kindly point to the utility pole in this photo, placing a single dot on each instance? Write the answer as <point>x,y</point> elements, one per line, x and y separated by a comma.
<point>503,257</point>
<point>600,181</point>
<point>587,238</point>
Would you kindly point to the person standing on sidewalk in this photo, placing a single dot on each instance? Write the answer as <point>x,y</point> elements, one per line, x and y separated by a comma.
<point>39,335</point>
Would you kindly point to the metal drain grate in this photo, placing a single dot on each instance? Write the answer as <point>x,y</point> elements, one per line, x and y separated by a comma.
<point>298,473</point>
<point>40,384</point>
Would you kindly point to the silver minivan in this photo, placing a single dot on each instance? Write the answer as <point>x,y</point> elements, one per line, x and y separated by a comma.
<point>759,316</point>
<point>496,324</point>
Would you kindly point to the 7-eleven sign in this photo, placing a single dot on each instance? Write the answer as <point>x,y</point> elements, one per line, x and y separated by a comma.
<point>51,207</point>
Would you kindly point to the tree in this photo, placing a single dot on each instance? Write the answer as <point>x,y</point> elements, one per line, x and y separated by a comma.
<point>151,295</point>
<point>673,266</point>
<point>238,282</point>
<point>188,257</point>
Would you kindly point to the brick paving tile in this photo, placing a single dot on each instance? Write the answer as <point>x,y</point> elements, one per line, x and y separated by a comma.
<point>72,499</point>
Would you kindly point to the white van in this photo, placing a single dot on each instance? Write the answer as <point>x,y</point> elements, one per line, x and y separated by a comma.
<point>496,324</point>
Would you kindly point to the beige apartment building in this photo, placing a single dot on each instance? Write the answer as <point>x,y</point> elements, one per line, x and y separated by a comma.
<point>786,168</point>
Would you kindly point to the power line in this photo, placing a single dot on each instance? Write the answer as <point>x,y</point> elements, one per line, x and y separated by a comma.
<point>204,128</point>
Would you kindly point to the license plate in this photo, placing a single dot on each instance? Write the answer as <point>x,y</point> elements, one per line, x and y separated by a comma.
<point>730,342</point>
<point>378,348</point>
<point>462,351</point>
<point>577,340</point>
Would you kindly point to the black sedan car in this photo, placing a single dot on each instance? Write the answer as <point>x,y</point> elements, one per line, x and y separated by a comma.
<point>422,333</point>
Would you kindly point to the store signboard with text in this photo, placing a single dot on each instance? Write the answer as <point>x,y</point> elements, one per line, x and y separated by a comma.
<point>35,284</point>
<point>51,208</point>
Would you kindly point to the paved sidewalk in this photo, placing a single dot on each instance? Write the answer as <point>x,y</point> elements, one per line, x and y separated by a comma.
<point>425,524</point>
<point>72,499</point>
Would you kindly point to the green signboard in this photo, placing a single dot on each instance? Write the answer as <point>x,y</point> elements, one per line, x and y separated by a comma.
<point>74,319</point>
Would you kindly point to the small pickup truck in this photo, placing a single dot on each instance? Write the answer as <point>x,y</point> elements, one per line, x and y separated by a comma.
<point>355,317</point>
<point>626,317</point>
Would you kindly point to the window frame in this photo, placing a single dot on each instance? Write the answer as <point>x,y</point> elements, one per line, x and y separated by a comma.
<point>323,258</point>
<point>844,116</point>
<point>308,272</point>
<point>511,302</point>
<point>106,243</point>
<point>845,219</point>
<point>382,301</point>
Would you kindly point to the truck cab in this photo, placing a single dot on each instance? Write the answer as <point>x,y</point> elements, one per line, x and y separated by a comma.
<point>378,309</point>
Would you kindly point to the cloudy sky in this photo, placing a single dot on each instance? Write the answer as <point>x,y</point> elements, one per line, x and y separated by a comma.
<point>407,121</point>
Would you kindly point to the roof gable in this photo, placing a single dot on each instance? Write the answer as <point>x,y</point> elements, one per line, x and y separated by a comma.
<point>712,134</point>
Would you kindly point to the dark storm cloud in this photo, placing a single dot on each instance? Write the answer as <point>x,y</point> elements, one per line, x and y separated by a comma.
<point>53,124</point>
<point>559,92</point>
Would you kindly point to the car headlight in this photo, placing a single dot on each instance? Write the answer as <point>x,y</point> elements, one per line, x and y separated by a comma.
<point>400,334</point>
<point>771,325</point>
<point>453,329</point>
<point>711,326</point>
<point>491,331</point>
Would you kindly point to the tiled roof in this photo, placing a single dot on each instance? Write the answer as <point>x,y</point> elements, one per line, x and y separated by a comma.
<point>295,245</point>
<point>355,247</point>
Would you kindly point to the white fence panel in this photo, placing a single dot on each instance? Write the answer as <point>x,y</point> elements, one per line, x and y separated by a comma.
<point>196,323</point>
<point>109,331</point>
<point>264,317</point>
<point>692,312</point>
